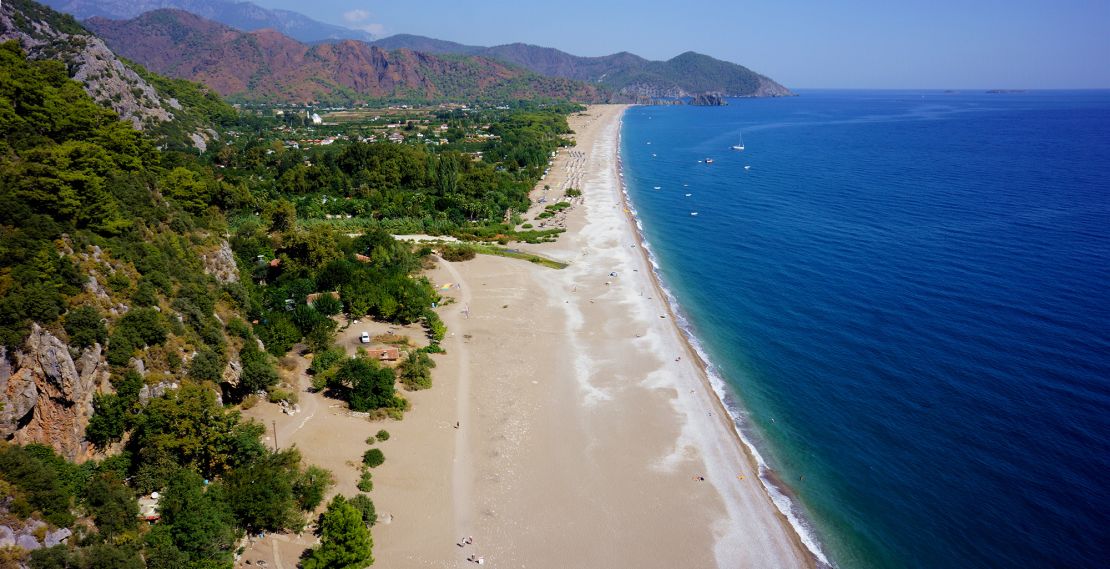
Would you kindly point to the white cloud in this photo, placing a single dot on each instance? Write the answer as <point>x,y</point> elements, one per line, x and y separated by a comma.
<point>359,20</point>
<point>355,16</point>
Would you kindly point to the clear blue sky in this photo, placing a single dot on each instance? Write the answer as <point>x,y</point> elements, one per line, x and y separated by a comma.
<point>800,43</point>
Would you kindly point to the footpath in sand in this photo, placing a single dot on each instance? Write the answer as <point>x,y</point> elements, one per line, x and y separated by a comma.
<point>587,435</point>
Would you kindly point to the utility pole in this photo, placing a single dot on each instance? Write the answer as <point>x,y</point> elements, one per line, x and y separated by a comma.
<point>274,423</point>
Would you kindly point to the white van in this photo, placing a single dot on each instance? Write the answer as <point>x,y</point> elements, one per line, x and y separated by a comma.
<point>364,338</point>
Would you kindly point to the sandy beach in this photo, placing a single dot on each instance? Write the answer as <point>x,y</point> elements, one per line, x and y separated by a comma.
<point>588,435</point>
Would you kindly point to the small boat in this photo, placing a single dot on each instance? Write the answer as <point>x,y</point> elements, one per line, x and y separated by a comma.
<point>658,188</point>
<point>693,213</point>
<point>688,195</point>
<point>708,160</point>
<point>739,145</point>
<point>747,167</point>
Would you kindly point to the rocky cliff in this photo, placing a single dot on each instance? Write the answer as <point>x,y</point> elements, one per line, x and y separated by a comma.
<point>47,394</point>
<point>45,34</point>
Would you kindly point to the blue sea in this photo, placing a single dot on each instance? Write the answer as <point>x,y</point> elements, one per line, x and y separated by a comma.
<point>907,296</point>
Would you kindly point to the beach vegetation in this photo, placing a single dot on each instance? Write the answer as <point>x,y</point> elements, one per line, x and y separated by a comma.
<point>415,371</point>
<point>365,506</point>
<point>383,435</point>
<point>373,458</point>
<point>458,253</point>
<point>365,480</point>
<point>573,193</point>
<point>345,541</point>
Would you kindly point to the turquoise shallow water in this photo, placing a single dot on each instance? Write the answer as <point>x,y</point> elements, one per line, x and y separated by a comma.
<point>908,293</point>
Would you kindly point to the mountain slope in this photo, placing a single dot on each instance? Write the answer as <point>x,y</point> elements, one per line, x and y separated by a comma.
<point>268,66</point>
<point>46,34</point>
<point>628,74</point>
<point>240,15</point>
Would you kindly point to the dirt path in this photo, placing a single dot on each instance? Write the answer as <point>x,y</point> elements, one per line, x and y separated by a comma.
<point>462,469</point>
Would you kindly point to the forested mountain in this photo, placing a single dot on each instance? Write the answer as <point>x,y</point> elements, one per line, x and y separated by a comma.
<point>179,113</point>
<point>244,16</point>
<point>268,66</point>
<point>628,74</point>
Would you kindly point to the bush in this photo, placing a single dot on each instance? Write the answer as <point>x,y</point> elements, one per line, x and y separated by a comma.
<point>373,458</point>
<point>276,395</point>
<point>365,505</point>
<point>457,253</point>
<point>365,481</point>
<point>85,326</point>
<point>416,371</point>
<point>310,487</point>
<point>327,305</point>
<point>573,193</point>
<point>383,435</point>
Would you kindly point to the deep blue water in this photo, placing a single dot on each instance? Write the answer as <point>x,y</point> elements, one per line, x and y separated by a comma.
<point>909,292</point>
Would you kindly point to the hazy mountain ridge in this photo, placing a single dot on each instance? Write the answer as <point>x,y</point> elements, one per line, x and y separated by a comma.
<point>268,66</point>
<point>240,15</point>
<point>628,74</point>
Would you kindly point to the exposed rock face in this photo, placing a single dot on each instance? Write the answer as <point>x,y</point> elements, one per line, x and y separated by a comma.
<point>48,396</point>
<point>106,79</point>
<point>708,100</point>
<point>221,264</point>
<point>159,389</point>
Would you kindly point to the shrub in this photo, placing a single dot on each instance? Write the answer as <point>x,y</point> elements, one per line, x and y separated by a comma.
<point>310,487</point>
<point>85,326</point>
<point>373,458</point>
<point>457,253</point>
<point>327,305</point>
<point>383,435</point>
<point>527,226</point>
<point>276,395</point>
<point>416,371</point>
<point>365,505</point>
<point>366,481</point>
<point>573,193</point>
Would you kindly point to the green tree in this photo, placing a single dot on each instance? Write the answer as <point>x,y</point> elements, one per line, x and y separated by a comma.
<point>310,487</point>
<point>365,506</point>
<point>258,369</point>
<point>327,305</point>
<point>112,505</point>
<point>345,543</point>
<point>261,492</point>
<point>196,521</point>
<point>85,326</point>
<point>364,384</point>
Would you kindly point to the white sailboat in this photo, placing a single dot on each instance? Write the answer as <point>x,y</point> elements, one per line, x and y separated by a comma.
<point>739,145</point>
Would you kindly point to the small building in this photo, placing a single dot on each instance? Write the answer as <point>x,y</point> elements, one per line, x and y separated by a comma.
<point>384,354</point>
<point>316,119</point>
<point>148,508</point>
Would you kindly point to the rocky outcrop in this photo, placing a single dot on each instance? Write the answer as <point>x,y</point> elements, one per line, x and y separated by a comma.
<point>25,536</point>
<point>221,264</point>
<point>106,79</point>
<point>45,34</point>
<point>155,391</point>
<point>48,395</point>
<point>708,100</point>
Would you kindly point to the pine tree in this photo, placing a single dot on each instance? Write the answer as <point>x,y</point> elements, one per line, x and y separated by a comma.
<point>345,542</point>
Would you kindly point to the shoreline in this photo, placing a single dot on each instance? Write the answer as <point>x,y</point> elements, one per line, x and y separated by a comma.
<point>784,503</point>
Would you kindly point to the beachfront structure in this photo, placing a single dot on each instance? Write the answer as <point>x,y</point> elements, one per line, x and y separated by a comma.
<point>384,354</point>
